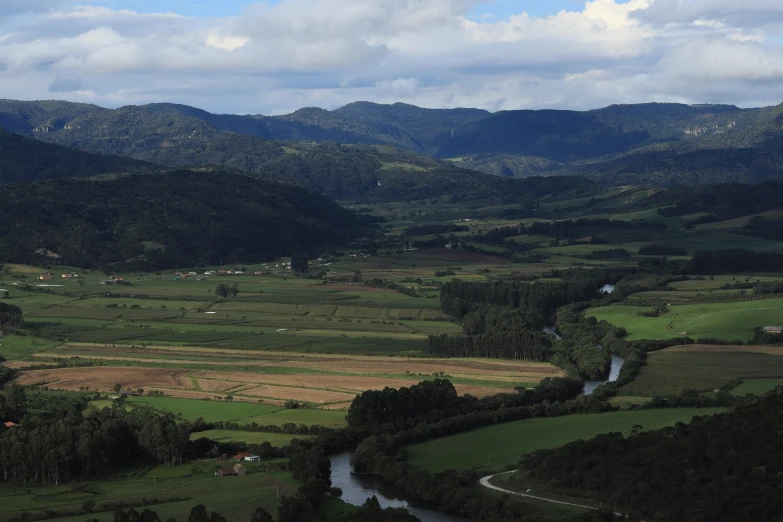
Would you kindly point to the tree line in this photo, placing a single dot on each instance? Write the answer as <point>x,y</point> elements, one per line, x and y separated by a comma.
<point>717,468</point>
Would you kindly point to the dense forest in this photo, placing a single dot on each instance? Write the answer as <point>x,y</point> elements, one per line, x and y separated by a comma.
<point>66,444</point>
<point>718,468</point>
<point>182,218</point>
<point>24,159</point>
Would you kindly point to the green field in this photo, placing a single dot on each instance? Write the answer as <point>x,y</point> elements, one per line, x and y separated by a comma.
<point>233,497</point>
<point>331,419</point>
<point>669,373</point>
<point>277,440</point>
<point>210,411</point>
<point>500,447</point>
<point>756,386</point>
<point>720,320</point>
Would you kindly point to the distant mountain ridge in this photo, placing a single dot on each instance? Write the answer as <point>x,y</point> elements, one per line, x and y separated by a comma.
<point>652,143</point>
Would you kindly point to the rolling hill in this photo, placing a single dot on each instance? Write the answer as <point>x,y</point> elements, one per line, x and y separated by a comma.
<point>180,218</point>
<point>24,159</point>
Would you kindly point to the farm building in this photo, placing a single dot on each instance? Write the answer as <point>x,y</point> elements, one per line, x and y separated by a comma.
<point>225,473</point>
<point>10,425</point>
<point>247,457</point>
<point>772,329</point>
<point>68,276</point>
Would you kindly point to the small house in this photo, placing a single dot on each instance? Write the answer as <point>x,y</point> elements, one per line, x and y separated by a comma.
<point>249,457</point>
<point>772,329</point>
<point>68,276</point>
<point>10,425</point>
<point>45,277</point>
<point>225,473</point>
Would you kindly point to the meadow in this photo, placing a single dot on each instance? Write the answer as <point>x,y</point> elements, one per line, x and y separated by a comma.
<point>716,320</point>
<point>499,447</point>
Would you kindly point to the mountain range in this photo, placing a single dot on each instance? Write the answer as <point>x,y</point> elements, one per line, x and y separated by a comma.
<point>651,143</point>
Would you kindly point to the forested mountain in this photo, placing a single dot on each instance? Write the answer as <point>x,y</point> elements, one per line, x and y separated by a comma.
<point>24,159</point>
<point>174,140</point>
<point>181,218</point>
<point>405,126</point>
<point>653,143</point>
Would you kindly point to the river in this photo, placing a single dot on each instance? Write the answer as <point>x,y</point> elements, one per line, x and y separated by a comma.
<point>614,374</point>
<point>358,488</point>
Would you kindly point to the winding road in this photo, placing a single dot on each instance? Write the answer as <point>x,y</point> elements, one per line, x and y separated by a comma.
<point>485,482</point>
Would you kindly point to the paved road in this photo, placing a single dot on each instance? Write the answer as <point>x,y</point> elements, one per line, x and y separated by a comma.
<point>485,482</point>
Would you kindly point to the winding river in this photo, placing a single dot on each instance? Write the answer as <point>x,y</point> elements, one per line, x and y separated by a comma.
<point>357,488</point>
<point>614,373</point>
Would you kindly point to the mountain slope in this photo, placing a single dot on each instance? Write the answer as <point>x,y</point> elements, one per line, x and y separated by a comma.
<point>181,218</point>
<point>24,159</point>
<point>338,171</point>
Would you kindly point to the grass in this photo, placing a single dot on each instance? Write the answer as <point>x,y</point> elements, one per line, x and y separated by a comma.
<point>335,419</point>
<point>669,373</point>
<point>16,348</point>
<point>719,320</point>
<point>210,411</point>
<point>499,447</point>
<point>251,437</point>
<point>756,386</point>
<point>233,497</point>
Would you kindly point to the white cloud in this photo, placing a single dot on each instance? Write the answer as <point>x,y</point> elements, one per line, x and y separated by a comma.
<point>276,58</point>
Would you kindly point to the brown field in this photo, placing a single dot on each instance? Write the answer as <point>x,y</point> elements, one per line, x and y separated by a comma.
<point>340,377</point>
<point>769,350</point>
<point>341,382</point>
<point>299,394</point>
<point>105,378</point>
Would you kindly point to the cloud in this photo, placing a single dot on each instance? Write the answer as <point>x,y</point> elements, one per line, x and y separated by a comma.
<point>275,58</point>
<point>18,7</point>
<point>66,84</point>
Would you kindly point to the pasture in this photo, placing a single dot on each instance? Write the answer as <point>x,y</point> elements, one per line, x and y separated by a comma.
<point>500,447</point>
<point>277,440</point>
<point>756,387</point>
<point>716,320</point>
<point>703,368</point>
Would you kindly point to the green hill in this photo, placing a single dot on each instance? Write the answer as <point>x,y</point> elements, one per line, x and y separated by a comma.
<point>181,218</point>
<point>167,137</point>
<point>24,159</point>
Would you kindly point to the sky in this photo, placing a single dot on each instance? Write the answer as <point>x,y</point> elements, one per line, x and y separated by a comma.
<point>273,57</point>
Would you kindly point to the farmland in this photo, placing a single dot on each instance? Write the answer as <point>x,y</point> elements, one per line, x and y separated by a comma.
<point>500,447</point>
<point>704,368</point>
<point>177,490</point>
<point>719,320</point>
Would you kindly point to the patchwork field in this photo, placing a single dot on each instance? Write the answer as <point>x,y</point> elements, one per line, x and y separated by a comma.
<point>703,368</point>
<point>500,447</point>
<point>329,381</point>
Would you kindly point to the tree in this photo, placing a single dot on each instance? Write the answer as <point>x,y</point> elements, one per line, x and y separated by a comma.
<point>234,290</point>
<point>16,402</point>
<point>199,514</point>
<point>222,290</point>
<point>260,515</point>
<point>357,276</point>
<point>117,388</point>
<point>300,264</point>
<point>216,517</point>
